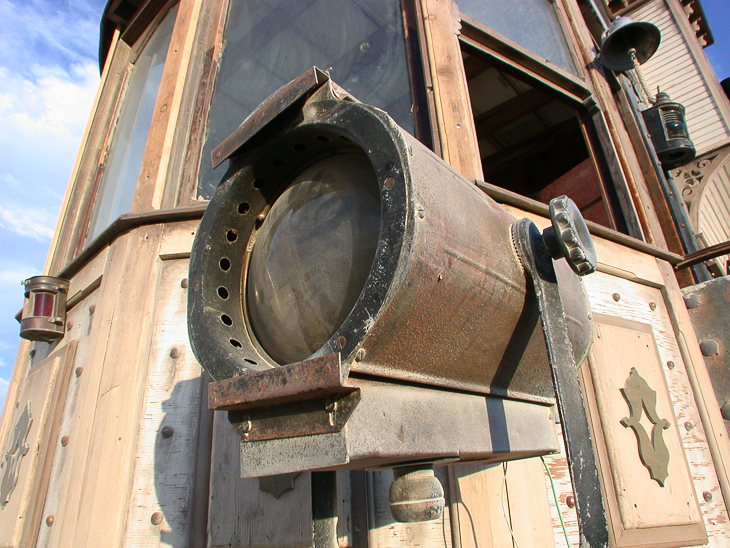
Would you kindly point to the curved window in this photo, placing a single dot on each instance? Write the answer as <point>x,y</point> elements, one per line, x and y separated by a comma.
<point>532,24</point>
<point>119,181</point>
<point>270,42</point>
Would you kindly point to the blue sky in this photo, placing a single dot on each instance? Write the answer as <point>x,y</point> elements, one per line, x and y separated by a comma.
<point>48,78</point>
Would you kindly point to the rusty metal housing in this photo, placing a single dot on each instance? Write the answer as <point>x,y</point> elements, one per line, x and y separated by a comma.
<point>445,322</point>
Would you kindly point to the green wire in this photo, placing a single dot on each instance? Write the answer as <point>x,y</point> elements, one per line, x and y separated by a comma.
<point>555,496</point>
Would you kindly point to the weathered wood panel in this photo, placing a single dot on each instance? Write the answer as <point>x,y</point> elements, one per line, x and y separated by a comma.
<point>79,332</point>
<point>29,450</point>
<point>386,532</point>
<point>628,301</point>
<point>240,514</point>
<point>165,508</point>
<point>454,119</point>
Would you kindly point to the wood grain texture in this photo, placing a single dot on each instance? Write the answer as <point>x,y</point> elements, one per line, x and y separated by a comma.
<point>167,105</point>
<point>699,379</point>
<point>386,532</point>
<point>43,394</point>
<point>240,514</point>
<point>165,467</point>
<point>80,425</point>
<point>79,332</point>
<point>457,135</point>
<point>634,304</point>
<point>641,511</point>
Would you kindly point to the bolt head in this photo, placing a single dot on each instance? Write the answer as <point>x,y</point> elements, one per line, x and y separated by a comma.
<point>709,347</point>
<point>167,431</point>
<point>725,410</point>
<point>692,300</point>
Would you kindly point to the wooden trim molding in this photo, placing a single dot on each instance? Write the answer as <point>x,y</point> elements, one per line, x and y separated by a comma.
<point>457,135</point>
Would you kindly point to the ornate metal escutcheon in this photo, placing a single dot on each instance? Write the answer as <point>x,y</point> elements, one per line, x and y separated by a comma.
<point>14,455</point>
<point>653,451</point>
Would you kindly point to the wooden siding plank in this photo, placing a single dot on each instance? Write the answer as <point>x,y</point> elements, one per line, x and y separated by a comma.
<point>240,514</point>
<point>121,384</point>
<point>163,509</point>
<point>459,146</point>
<point>78,331</point>
<point>73,477</point>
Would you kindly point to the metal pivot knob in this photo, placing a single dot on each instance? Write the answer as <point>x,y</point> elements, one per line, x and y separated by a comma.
<point>569,237</point>
<point>416,494</point>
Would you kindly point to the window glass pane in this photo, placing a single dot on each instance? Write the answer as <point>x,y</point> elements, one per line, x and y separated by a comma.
<point>119,182</point>
<point>270,42</point>
<point>532,24</point>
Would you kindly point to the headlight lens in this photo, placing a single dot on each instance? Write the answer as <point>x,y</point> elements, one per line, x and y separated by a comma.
<point>312,256</point>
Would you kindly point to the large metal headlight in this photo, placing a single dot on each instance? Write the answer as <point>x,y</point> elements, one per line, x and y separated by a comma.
<point>339,255</point>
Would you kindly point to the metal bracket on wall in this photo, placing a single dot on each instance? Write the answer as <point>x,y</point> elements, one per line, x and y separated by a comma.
<point>535,251</point>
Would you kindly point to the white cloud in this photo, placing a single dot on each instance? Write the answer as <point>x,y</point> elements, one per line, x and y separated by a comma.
<point>24,225</point>
<point>3,387</point>
<point>52,106</point>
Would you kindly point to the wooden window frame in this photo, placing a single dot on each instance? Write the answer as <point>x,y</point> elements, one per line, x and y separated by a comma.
<point>564,86</point>
<point>206,66</point>
<point>72,233</point>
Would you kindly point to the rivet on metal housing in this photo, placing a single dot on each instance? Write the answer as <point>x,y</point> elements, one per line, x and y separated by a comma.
<point>50,519</point>
<point>725,410</point>
<point>64,441</point>
<point>174,352</point>
<point>671,364</point>
<point>709,347</point>
<point>652,306</point>
<point>156,518</point>
<point>616,297</point>
<point>570,501</point>
<point>167,431</point>
<point>184,283</point>
<point>688,426</point>
<point>707,496</point>
<point>79,371</point>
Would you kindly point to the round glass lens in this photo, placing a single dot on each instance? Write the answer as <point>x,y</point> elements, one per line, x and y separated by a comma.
<point>312,256</point>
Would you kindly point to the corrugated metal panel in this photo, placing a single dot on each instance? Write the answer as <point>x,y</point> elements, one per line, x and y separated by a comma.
<point>713,215</point>
<point>674,69</point>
